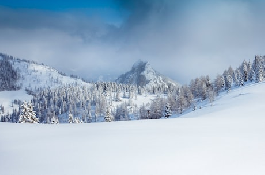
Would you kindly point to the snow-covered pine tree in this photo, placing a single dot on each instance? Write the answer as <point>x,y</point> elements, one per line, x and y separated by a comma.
<point>54,119</point>
<point>211,95</point>
<point>27,114</point>
<point>143,112</point>
<point>168,111</point>
<point>77,120</point>
<point>202,88</point>
<point>228,82</point>
<point>189,96</point>
<point>258,69</point>
<point>181,102</point>
<point>259,76</point>
<point>252,75</point>
<point>250,72</point>
<point>108,116</point>
<point>240,78</point>
<point>136,112</point>
<point>97,111</point>
<point>70,118</point>
<point>244,70</point>
<point>89,117</point>
<point>156,108</point>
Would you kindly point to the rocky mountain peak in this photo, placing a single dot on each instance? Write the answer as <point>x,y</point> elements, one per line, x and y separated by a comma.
<point>142,74</point>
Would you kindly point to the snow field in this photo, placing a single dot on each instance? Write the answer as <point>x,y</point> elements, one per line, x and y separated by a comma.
<point>227,138</point>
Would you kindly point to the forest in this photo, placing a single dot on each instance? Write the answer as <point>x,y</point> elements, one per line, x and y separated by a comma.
<point>111,101</point>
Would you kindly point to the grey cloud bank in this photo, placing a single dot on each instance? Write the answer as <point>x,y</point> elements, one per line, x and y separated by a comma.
<point>182,40</point>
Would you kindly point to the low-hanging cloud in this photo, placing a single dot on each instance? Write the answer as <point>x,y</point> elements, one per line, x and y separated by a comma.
<point>182,40</point>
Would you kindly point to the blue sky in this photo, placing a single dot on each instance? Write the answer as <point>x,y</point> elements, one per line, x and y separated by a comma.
<point>105,9</point>
<point>181,39</point>
<point>58,4</point>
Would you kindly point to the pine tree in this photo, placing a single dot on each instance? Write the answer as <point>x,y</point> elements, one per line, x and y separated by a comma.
<point>211,96</point>
<point>189,96</point>
<point>258,69</point>
<point>108,116</point>
<point>54,119</point>
<point>89,117</point>
<point>228,82</point>
<point>77,120</point>
<point>143,112</point>
<point>27,114</point>
<point>181,102</point>
<point>70,118</point>
<point>245,71</point>
<point>240,78</point>
<point>251,73</point>
<point>118,113</point>
<point>168,112</point>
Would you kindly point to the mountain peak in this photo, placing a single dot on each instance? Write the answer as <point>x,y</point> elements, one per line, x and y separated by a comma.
<point>142,74</point>
<point>139,63</point>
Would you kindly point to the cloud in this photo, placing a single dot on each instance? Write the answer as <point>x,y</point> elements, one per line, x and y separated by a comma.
<point>186,40</point>
<point>69,41</point>
<point>182,40</point>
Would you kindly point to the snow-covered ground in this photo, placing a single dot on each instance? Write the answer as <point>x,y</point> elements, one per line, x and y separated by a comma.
<point>227,138</point>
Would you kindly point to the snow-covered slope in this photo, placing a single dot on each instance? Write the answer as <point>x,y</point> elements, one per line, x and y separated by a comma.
<point>33,77</point>
<point>40,76</point>
<point>142,74</point>
<point>227,138</point>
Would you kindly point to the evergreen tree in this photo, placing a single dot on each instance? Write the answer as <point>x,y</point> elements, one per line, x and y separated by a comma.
<point>156,109</point>
<point>211,96</point>
<point>89,117</point>
<point>27,114</point>
<point>77,120</point>
<point>240,78</point>
<point>228,82</point>
<point>181,102</point>
<point>258,69</point>
<point>168,112</point>
<point>54,119</point>
<point>70,118</point>
<point>189,96</point>
<point>108,116</point>
<point>245,70</point>
<point>251,73</point>
<point>143,112</point>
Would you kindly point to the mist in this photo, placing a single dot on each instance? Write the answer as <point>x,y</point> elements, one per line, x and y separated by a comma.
<point>182,40</point>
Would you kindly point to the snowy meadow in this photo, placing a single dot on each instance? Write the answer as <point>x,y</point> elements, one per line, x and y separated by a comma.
<point>227,138</point>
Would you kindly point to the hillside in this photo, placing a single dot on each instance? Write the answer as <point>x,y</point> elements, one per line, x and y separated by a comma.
<point>32,77</point>
<point>226,138</point>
